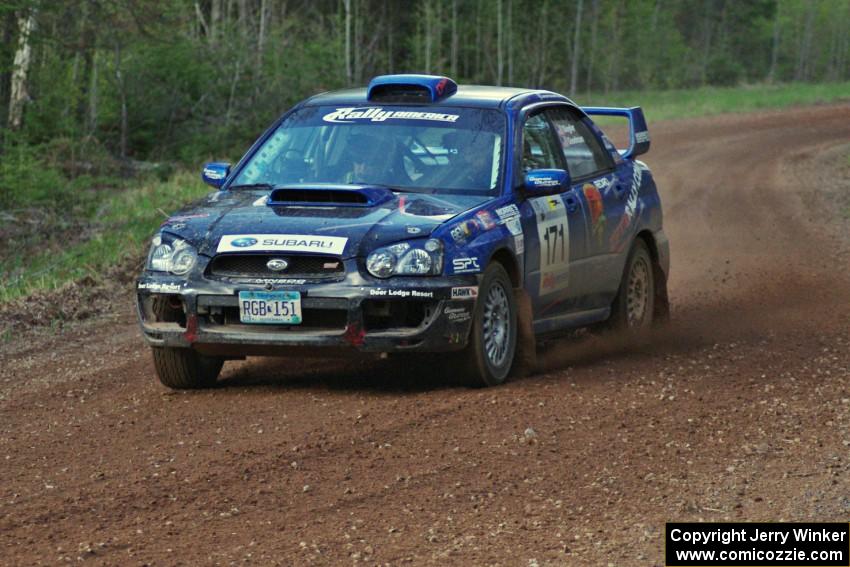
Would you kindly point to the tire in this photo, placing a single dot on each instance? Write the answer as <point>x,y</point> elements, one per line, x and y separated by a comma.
<point>634,306</point>
<point>490,353</point>
<point>185,369</point>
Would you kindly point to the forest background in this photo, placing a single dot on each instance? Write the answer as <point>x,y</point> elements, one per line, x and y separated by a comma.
<point>109,107</point>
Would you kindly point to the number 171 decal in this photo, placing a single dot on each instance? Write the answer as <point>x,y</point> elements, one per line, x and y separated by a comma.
<point>554,236</point>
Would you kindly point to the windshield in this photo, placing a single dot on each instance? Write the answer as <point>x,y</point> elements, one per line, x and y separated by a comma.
<point>442,150</point>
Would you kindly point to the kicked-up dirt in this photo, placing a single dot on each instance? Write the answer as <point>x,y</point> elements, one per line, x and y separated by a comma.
<point>740,410</point>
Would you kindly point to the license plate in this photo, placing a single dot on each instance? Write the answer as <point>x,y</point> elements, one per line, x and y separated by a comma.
<point>270,307</point>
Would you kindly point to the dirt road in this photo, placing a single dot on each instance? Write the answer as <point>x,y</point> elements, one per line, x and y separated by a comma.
<point>739,411</point>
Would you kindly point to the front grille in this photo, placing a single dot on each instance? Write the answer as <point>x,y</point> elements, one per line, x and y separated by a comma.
<point>254,266</point>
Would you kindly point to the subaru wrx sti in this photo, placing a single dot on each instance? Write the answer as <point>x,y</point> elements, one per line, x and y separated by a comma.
<point>411,216</point>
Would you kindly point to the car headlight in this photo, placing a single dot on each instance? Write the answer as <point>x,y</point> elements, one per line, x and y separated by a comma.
<point>411,258</point>
<point>171,254</point>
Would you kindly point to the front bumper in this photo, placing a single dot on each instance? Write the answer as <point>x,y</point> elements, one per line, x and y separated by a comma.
<point>416,314</point>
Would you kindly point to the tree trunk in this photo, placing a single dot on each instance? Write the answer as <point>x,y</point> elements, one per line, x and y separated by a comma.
<point>427,37</point>
<point>708,13</point>
<point>348,77</point>
<point>478,49</point>
<point>510,42</point>
<point>592,57</point>
<point>91,122</point>
<point>215,20</point>
<point>499,43</point>
<point>774,53</point>
<point>23,57</point>
<point>73,98</point>
<point>9,26</point>
<point>122,94</point>
<point>202,22</point>
<point>655,12</point>
<point>832,72</point>
<point>261,37</point>
<point>388,5</point>
<point>541,70</point>
<point>84,51</point>
<point>722,27</point>
<point>576,50</point>
<point>230,100</point>
<point>612,76</point>
<point>454,39</point>
<point>358,43</point>
<point>437,42</point>
<point>843,68</point>
<point>242,19</point>
<point>803,63</point>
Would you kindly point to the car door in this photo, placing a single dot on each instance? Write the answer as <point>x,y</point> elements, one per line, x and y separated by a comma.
<point>593,174</point>
<point>556,245</point>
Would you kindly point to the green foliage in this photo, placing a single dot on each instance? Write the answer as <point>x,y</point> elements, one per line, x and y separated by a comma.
<point>52,174</point>
<point>199,80</point>
<point>113,229</point>
<point>724,70</point>
<point>26,179</point>
<point>708,101</point>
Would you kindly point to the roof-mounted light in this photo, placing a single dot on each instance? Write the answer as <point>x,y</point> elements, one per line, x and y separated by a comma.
<point>410,88</point>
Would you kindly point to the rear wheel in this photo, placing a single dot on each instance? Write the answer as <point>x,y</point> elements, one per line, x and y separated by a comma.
<point>634,305</point>
<point>492,344</point>
<point>183,368</point>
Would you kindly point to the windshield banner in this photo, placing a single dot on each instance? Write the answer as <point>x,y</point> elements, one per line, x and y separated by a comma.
<point>377,114</point>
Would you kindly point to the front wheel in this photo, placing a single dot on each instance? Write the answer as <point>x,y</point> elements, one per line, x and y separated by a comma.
<point>492,344</point>
<point>183,368</point>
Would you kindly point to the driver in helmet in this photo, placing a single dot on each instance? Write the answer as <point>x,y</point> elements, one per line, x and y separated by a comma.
<point>366,160</point>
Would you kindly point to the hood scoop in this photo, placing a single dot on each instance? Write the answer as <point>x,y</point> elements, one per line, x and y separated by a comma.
<point>329,196</point>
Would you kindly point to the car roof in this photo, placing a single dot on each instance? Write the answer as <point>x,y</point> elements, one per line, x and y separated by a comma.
<point>478,96</point>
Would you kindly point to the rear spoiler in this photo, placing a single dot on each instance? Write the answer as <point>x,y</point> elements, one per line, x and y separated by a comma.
<point>638,133</point>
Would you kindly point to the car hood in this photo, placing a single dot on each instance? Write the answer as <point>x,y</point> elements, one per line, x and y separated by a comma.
<point>400,216</point>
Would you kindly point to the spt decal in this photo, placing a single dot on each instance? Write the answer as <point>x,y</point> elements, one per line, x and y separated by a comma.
<point>466,265</point>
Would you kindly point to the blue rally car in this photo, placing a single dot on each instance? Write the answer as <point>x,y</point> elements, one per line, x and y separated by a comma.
<point>412,216</point>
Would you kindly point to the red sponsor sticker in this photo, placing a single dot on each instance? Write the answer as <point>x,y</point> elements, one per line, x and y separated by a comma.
<point>485,219</point>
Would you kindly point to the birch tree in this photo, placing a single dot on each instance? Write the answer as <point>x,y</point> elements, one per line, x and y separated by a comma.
<point>348,77</point>
<point>23,57</point>
<point>576,49</point>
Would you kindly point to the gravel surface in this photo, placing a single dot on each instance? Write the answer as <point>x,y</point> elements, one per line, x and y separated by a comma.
<point>740,410</point>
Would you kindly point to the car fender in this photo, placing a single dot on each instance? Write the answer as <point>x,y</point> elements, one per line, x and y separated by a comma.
<point>472,239</point>
<point>646,218</point>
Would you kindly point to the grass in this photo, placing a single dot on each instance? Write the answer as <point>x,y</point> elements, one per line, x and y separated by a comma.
<point>709,101</point>
<point>118,228</point>
<point>108,225</point>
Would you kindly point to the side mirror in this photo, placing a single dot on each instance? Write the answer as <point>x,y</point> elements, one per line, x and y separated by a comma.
<point>215,173</point>
<point>546,181</point>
